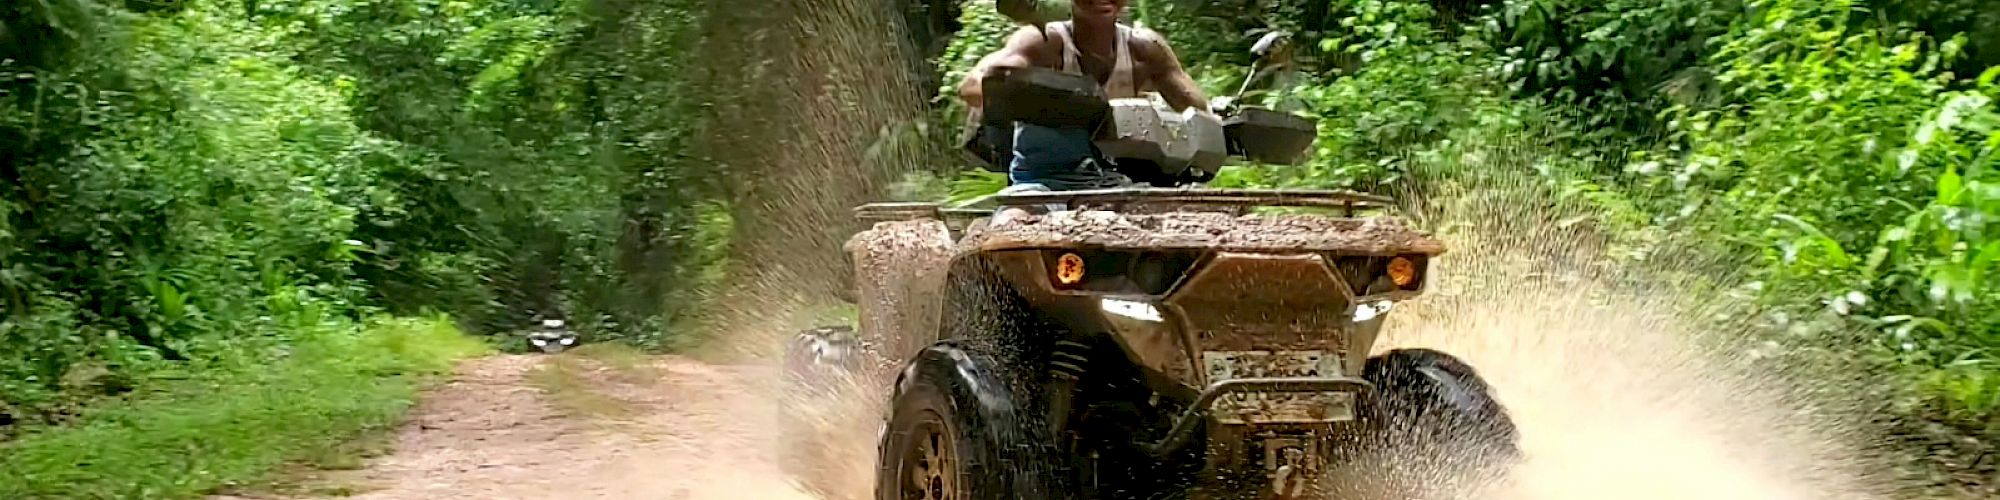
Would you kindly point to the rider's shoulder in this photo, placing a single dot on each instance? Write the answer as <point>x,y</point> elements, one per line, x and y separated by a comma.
<point>1148,43</point>
<point>1028,33</point>
<point>1033,35</point>
<point>1034,43</point>
<point>1147,40</point>
<point>1147,35</point>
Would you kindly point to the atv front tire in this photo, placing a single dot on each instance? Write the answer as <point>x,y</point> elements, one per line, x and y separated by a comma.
<point>1435,400</point>
<point>958,431</point>
<point>1432,431</point>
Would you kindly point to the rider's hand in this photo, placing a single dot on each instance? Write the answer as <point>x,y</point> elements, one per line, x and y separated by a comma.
<point>1221,104</point>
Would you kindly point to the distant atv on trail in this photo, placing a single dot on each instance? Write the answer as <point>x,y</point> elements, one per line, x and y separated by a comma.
<point>1159,342</point>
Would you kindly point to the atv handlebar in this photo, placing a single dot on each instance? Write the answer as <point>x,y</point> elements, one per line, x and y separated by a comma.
<point>1142,139</point>
<point>1118,199</point>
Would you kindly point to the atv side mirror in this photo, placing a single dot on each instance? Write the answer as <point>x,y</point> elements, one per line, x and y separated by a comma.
<point>1270,42</point>
<point>1259,134</point>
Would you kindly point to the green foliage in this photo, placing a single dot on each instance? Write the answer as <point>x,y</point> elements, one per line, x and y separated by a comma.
<point>186,437</point>
<point>982,30</point>
<point>1623,60</point>
<point>188,187</point>
<point>973,184</point>
<point>1864,172</point>
<point>1976,20</point>
<point>1218,34</point>
<point>177,186</point>
<point>580,109</point>
<point>1415,90</point>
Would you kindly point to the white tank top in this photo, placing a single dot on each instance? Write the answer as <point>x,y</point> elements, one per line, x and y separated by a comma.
<point>1122,84</point>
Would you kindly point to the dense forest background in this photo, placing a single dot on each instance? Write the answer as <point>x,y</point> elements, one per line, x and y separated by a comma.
<point>200,194</point>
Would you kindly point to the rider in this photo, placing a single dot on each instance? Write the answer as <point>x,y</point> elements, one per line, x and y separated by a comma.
<point>1126,61</point>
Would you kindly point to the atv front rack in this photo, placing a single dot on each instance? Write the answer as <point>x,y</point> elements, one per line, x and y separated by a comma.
<point>1126,200</point>
<point>884,212</point>
<point>1155,199</point>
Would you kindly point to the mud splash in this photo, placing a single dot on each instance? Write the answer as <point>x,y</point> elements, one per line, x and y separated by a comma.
<point>816,111</point>
<point>840,464</point>
<point>1615,402</point>
<point>1633,377</point>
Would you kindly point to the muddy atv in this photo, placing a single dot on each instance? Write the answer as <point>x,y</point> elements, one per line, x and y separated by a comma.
<point>1155,342</point>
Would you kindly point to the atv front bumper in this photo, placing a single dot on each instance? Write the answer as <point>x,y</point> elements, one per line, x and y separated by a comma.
<point>1205,406</point>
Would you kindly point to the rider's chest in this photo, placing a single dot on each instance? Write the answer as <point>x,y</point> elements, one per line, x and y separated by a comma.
<point>1103,66</point>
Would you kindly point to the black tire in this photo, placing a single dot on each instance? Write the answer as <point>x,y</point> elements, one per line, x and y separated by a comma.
<point>959,430</point>
<point>1429,398</point>
<point>1432,431</point>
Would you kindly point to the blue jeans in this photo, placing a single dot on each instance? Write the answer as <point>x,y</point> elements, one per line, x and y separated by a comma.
<point>1060,159</point>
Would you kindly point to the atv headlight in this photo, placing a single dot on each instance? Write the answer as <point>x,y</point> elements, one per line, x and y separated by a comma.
<point>1069,269</point>
<point>1121,272</point>
<point>1368,311</point>
<point>1373,275</point>
<point>1403,272</point>
<point>1136,310</point>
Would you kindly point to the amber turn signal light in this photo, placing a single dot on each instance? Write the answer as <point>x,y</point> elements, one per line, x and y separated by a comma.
<point>1403,272</point>
<point>1069,269</point>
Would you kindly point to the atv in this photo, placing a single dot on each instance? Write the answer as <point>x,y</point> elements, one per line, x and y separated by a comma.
<point>1167,341</point>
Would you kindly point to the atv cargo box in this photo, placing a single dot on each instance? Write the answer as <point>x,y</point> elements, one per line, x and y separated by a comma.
<point>1044,97</point>
<point>1033,95</point>
<point>1148,131</point>
<point>1267,136</point>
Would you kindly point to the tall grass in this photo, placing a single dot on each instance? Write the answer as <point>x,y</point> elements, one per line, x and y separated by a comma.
<point>193,436</point>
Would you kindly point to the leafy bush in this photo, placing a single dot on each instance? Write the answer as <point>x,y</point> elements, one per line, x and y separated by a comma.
<point>184,196</point>
<point>1865,174</point>
<point>188,185</point>
<point>1625,61</point>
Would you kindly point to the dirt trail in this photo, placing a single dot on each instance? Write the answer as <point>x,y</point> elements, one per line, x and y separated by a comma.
<point>542,427</point>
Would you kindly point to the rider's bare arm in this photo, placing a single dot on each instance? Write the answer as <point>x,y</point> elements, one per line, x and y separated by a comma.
<point>1166,73</point>
<point>1023,49</point>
